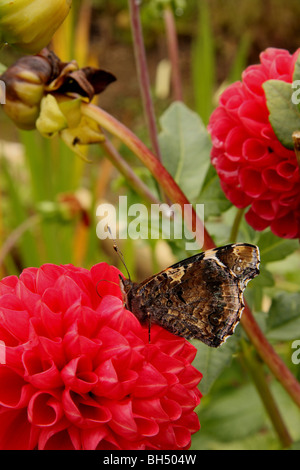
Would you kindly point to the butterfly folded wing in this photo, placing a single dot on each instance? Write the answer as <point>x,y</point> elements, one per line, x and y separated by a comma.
<point>200,297</point>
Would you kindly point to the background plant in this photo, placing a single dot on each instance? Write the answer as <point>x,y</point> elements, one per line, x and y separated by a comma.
<point>39,176</point>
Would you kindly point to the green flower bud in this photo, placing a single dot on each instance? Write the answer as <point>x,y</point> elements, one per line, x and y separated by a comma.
<point>30,24</point>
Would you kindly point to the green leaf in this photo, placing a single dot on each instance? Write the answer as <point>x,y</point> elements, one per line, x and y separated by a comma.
<point>234,415</point>
<point>283,322</point>
<point>212,195</point>
<point>284,112</point>
<point>211,362</point>
<point>273,248</point>
<point>185,148</point>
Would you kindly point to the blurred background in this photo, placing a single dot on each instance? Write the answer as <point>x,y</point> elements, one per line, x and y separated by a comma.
<point>49,195</point>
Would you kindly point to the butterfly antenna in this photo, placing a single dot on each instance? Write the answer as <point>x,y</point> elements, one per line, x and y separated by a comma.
<point>105,280</point>
<point>119,253</point>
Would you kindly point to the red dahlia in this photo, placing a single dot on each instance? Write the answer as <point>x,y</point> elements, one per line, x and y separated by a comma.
<point>255,169</point>
<point>79,372</point>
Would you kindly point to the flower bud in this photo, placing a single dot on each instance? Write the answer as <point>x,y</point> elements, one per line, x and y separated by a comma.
<point>24,83</point>
<point>30,24</point>
<point>32,80</point>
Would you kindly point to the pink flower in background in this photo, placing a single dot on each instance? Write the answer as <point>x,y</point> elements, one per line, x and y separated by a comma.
<point>80,373</point>
<point>254,168</point>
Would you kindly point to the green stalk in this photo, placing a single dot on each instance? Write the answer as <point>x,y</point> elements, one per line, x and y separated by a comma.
<point>172,41</point>
<point>236,225</point>
<point>143,76</point>
<point>255,368</point>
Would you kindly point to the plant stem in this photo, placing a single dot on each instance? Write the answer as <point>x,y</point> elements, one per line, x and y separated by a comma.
<point>296,140</point>
<point>143,76</point>
<point>16,235</point>
<point>140,187</point>
<point>269,356</point>
<point>172,41</point>
<point>255,368</point>
<point>235,226</point>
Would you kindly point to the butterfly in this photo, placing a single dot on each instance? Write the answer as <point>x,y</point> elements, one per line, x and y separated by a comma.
<point>200,297</point>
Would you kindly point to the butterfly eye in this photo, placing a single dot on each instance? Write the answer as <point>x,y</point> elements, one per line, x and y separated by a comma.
<point>214,319</point>
<point>169,303</point>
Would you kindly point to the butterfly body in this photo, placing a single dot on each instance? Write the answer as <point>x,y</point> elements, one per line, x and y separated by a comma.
<point>200,297</point>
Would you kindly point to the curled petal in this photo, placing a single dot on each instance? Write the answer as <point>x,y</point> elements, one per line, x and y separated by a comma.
<point>78,375</point>
<point>84,411</point>
<point>45,409</point>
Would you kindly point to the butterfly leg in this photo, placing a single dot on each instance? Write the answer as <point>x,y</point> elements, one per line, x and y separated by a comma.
<point>149,327</point>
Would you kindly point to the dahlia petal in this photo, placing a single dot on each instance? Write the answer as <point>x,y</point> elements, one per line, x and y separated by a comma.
<point>288,170</point>
<point>77,345</point>
<point>253,116</point>
<point>162,361</point>
<point>51,321</point>
<point>100,438</point>
<point>16,420</point>
<point>45,409</point>
<point>8,285</point>
<point>257,153</point>
<point>114,314</point>
<point>264,208</point>
<point>78,376</point>
<point>234,143</point>
<point>286,227</point>
<point>122,421</point>
<point>83,410</point>
<point>110,384</point>
<point>41,373</point>
<point>275,181</point>
<point>46,276</point>
<point>28,298</point>
<point>146,427</point>
<point>56,438</point>
<point>237,196</point>
<point>188,352</point>
<point>190,377</point>
<point>113,344</point>
<point>171,408</point>
<point>257,222</point>
<point>185,398</point>
<point>28,277</point>
<point>253,79</point>
<point>252,182</point>
<point>54,349</point>
<point>154,407</point>
<point>14,391</point>
<point>103,271</point>
<point>150,382</point>
<point>13,318</point>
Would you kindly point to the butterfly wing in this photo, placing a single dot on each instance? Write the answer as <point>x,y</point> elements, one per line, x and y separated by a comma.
<point>200,297</point>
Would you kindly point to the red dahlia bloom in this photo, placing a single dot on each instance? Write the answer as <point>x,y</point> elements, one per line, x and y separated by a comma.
<point>79,371</point>
<point>254,168</point>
